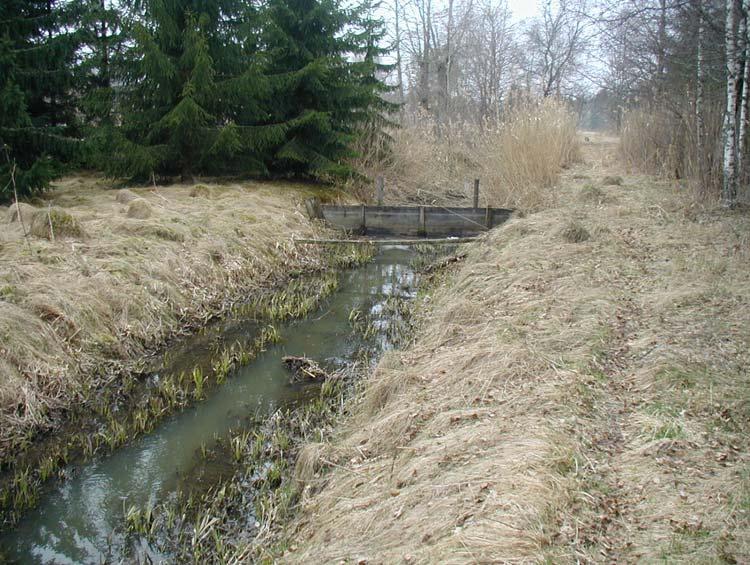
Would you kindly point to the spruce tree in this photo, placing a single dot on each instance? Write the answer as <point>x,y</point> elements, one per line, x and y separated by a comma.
<point>37,113</point>
<point>323,66</point>
<point>190,93</point>
<point>102,43</point>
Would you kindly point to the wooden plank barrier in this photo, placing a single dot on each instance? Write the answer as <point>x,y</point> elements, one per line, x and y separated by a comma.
<point>414,221</point>
<point>410,221</point>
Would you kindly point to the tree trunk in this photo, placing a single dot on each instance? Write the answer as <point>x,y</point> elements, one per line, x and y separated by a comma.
<point>661,50</point>
<point>743,102</point>
<point>699,123</point>
<point>399,66</point>
<point>105,74</point>
<point>424,70</point>
<point>729,188</point>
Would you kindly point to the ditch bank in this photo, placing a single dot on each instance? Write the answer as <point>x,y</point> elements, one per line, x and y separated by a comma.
<point>579,393</point>
<point>231,451</point>
<point>82,314</point>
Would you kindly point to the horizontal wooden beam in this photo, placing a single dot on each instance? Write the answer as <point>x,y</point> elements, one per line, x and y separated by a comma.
<point>433,241</point>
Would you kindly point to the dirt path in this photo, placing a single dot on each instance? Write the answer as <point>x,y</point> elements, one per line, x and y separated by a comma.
<point>579,392</point>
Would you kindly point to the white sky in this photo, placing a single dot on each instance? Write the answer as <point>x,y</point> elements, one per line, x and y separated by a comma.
<point>523,8</point>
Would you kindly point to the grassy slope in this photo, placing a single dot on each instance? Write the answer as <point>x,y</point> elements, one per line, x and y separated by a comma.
<point>74,310</point>
<point>565,401</point>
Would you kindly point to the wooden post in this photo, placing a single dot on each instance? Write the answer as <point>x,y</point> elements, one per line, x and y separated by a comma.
<point>379,189</point>
<point>476,194</point>
<point>422,222</point>
<point>314,210</point>
<point>488,218</point>
<point>363,222</point>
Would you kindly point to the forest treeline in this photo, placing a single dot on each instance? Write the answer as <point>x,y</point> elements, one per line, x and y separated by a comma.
<point>149,89</point>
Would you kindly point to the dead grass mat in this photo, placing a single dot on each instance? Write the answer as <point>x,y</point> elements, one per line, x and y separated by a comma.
<point>566,401</point>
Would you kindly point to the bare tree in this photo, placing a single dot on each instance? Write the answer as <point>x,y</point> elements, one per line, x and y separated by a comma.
<point>556,41</point>
<point>490,58</point>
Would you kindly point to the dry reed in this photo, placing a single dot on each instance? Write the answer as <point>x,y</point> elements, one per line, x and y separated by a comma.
<point>663,141</point>
<point>517,161</point>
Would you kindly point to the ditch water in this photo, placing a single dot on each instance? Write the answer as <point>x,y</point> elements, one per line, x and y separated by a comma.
<point>81,519</point>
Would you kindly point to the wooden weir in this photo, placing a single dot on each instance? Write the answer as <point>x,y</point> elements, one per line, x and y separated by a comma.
<point>410,221</point>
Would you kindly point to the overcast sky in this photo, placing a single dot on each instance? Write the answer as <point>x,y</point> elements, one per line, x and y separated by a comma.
<point>523,8</point>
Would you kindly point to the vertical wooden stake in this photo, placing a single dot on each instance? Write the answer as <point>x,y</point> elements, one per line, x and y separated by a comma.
<point>422,222</point>
<point>379,189</point>
<point>363,223</point>
<point>476,194</point>
<point>488,218</point>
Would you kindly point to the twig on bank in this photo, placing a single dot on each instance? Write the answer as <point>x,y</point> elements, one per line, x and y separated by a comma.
<point>15,195</point>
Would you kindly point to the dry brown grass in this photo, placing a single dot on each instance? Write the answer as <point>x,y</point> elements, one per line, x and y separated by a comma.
<point>201,191</point>
<point>517,162</point>
<point>71,310</point>
<point>563,403</point>
<point>663,141</point>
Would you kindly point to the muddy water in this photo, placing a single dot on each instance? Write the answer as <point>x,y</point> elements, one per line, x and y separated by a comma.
<point>80,519</point>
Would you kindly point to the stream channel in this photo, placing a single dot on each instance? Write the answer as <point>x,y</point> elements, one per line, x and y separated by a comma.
<point>80,519</point>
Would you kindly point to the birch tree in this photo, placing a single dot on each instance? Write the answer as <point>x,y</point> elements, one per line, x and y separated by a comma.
<point>729,188</point>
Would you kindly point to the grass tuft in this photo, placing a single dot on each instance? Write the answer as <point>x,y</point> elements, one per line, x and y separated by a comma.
<point>612,181</point>
<point>139,209</point>
<point>125,196</point>
<point>25,211</point>
<point>574,232</point>
<point>201,191</point>
<point>56,223</point>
